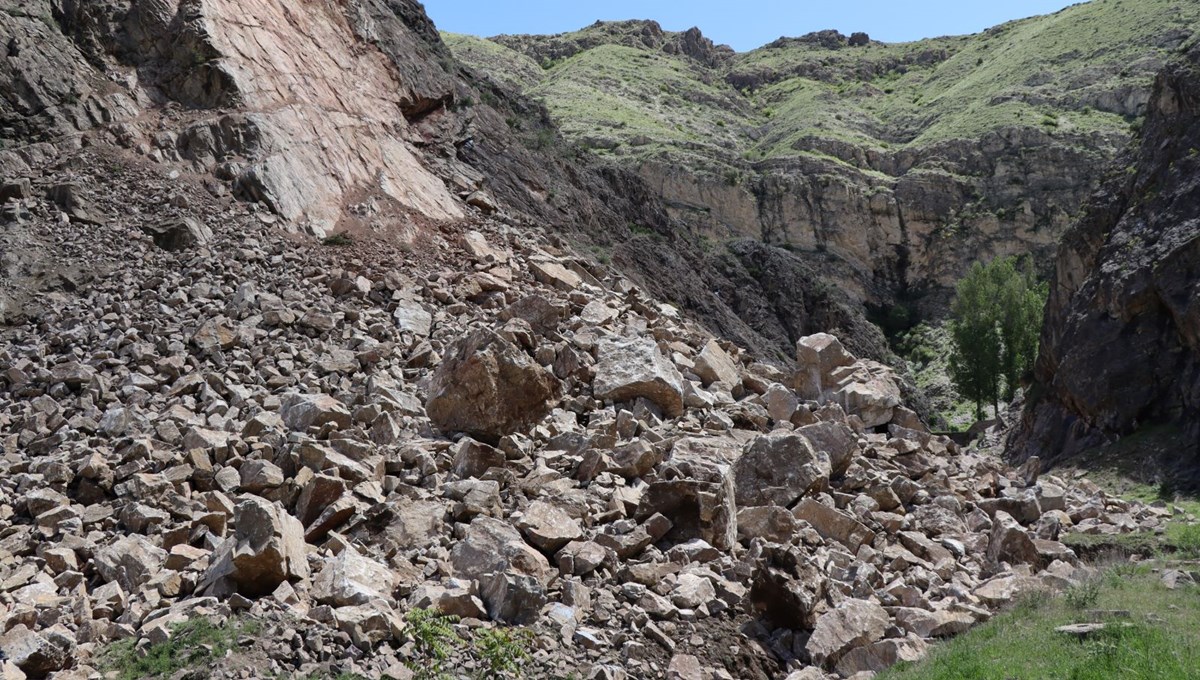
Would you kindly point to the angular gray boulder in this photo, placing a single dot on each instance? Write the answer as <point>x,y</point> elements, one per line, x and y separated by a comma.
<point>628,368</point>
<point>488,387</point>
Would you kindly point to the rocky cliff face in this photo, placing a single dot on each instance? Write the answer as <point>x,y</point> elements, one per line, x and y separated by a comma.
<point>378,133</point>
<point>285,105</point>
<point>889,167</point>
<point>1120,350</point>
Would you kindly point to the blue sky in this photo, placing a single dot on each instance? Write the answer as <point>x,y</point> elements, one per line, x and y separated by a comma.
<point>744,24</point>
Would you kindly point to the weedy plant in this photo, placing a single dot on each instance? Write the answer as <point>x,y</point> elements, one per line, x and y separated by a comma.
<point>193,644</point>
<point>1084,595</point>
<point>339,239</point>
<point>434,636</point>
<point>503,652</point>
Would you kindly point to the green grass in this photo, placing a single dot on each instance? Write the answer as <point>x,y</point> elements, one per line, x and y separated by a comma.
<point>509,67</point>
<point>193,644</point>
<point>1162,641</point>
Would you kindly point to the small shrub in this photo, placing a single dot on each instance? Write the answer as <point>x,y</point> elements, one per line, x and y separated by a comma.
<point>1084,595</point>
<point>503,651</point>
<point>544,139</point>
<point>1185,538</point>
<point>339,239</point>
<point>434,636</point>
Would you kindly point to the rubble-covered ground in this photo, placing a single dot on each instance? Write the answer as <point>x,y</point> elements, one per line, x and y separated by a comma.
<point>210,419</point>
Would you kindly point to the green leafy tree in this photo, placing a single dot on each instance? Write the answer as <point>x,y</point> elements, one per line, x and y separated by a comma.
<point>995,321</point>
<point>1022,302</point>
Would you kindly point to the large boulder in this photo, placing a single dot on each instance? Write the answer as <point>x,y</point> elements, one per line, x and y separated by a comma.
<point>412,317</point>
<point>817,357</point>
<point>855,623</point>
<point>714,364</point>
<point>835,439</point>
<point>779,468</point>
<point>1009,542</point>
<point>302,411</point>
<point>827,372</point>
<point>548,526</point>
<point>180,234</point>
<point>695,491</point>
<point>868,390</point>
<point>130,561</point>
<point>834,524</point>
<point>351,579</point>
<point>38,654</point>
<point>513,598</point>
<point>882,655</point>
<point>488,387</point>
<point>266,549</point>
<point>787,588</point>
<point>492,546</point>
<point>628,368</point>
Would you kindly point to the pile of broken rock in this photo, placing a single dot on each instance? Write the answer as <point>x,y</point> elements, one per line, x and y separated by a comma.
<point>324,439</point>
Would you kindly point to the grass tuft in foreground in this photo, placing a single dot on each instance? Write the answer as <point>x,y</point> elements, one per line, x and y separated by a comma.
<point>1152,634</point>
<point>194,645</point>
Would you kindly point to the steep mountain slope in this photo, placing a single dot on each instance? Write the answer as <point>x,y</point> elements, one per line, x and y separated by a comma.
<point>1120,351</point>
<point>376,134</point>
<point>889,166</point>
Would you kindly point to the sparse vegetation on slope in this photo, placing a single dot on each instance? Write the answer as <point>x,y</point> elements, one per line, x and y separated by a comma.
<point>192,644</point>
<point>1080,71</point>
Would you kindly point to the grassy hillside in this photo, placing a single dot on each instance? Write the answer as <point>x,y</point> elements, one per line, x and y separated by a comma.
<point>625,90</point>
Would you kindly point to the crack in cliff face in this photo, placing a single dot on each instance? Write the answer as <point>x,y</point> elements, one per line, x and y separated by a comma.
<point>902,254</point>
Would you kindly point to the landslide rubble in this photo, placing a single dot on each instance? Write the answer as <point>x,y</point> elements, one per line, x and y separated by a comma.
<point>323,438</point>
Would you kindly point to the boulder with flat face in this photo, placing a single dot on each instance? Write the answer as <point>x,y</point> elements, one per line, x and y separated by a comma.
<point>714,364</point>
<point>628,368</point>
<point>817,356</point>
<point>302,411</point>
<point>548,527</point>
<point>854,623</point>
<point>779,468</point>
<point>351,579</point>
<point>834,524</point>
<point>1009,542</point>
<point>181,234</point>
<point>695,491</point>
<point>38,654</point>
<point>882,655</point>
<point>493,546</point>
<point>130,561</point>
<point>488,387</point>
<point>868,390</point>
<point>266,549</point>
